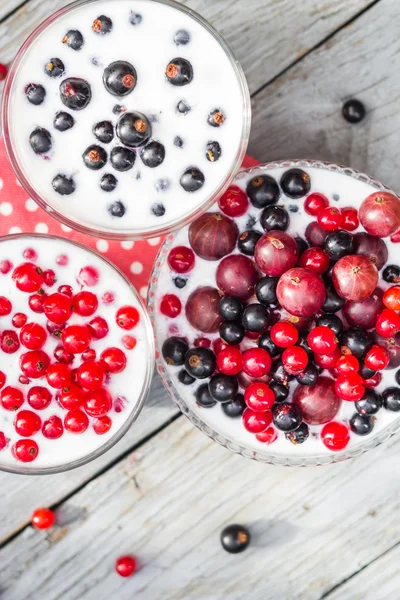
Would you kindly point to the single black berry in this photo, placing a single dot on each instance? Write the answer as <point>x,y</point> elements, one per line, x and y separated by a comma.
<point>122,159</point>
<point>117,209</point>
<point>180,282</point>
<point>223,388</point>
<point>247,241</point>
<point>231,332</point>
<point>135,18</point>
<point>120,78</point>
<point>102,25</point>
<point>230,308</point>
<point>216,118</point>
<point>265,342</point>
<point>63,121</point>
<point>192,179</point>
<point>265,290</point>
<point>185,378</point>
<point>333,302</point>
<point>365,372</point>
<point>153,154</point>
<point>118,109</point>
<point>108,182</point>
<point>200,362</point>
<point>235,538</point>
<point>286,417</point>
<point>274,217</point>
<point>279,374</point>
<point>203,396</point>
<point>356,340</point>
<point>361,424</point>
<point>370,403</point>
<point>179,71</point>
<point>391,399</point>
<point>158,209</point>
<point>183,107</point>
<point>103,131</point>
<point>281,391</point>
<point>263,191</point>
<point>75,93</point>
<point>338,244</point>
<point>301,244</point>
<point>40,140</point>
<point>235,408</point>
<point>213,151</point>
<point>54,68</point>
<point>353,111</point>
<point>299,435</point>
<point>174,350</point>
<point>63,184</point>
<point>178,141</point>
<point>94,157</point>
<point>35,93</point>
<point>295,183</point>
<point>309,376</point>
<point>182,37</point>
<point>391,274</point>
<point>73,39</point>
<point>255,318</point>
<point>133,129</point>
<point>331,321</point>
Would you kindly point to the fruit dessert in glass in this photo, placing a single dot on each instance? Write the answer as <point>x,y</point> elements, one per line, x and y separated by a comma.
<point>76,351</point>
<point>276,314</point>
<point>136,116</point>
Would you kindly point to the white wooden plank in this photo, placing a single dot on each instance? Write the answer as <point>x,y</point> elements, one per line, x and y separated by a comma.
<point>300,114</point>
<point>167,503</point>
<point>266,35</point>
<point>21,494</point>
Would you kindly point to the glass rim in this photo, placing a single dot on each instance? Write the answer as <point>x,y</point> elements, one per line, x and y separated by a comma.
<point>21,470</point>
<point>262,455</point>
<point>142,233</point>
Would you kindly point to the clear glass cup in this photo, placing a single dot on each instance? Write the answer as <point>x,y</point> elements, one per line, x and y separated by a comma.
<point>266,453</point>
<point>30,468</point>
<point>85,225</point>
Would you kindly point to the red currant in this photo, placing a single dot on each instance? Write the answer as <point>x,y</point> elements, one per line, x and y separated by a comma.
<point>66,289</point>
<point>49,277</point>
<point>43,518</point>
<point>181,259</point>
<point>62,355</point>
<point>36,302</point>
<point>125,565</point>
<point>395,238</point>
<point>268,436</point>
<point>234,202</point>
<point>256,362</point>
<point>256,422</point>
<point>219,345</point>
<point>314,203</point>
<point>322,340</point>
<point>19,320</point>
<point>98,327</point>
<point>335,435</point>
<point>388,323</point>
<point>25,450</point>
<point>349,387</point>
<point>259,397</point>
<point>4,441</point>
<point>89,354</point>
<point>202,342</point>
<point>315,259</point>
<point>330,218</point>
<point>85,303</point>
<point>5,306</point>
<point>55,329</point>
<point>229,361</point>
<point>284,334</point>
<point>62,260</point>
<point>3,71</point>
<point>58,375</point>
<point>76,338</point>
<point>97,403</point>
<point>294,360</point>
<point>391,298</point>
<point>9,341</point>
<point>53,428</point>
<point>71,397</point>
<point>114,359</point>
<point>11,398</point>
<point>5,266</point>
<point>347,363</point>
<point>27,423</point>
<point>75,421</point>
<point>30,254</point>
<point>327,361</point>
<point>3,378</point>
<point>33,336</point>
<point>57,307</point>
<point>129,342</point>
<point>91,374</point>
<point>350,220</point>
<point>102,424</point>
<point>127,317</point>
<point>170,306</point>
<point>377,358</point>
<point>28,277</point>
<point>39,397</point>
<point>373,381</point>
<point>88,276</point>
<point>34,364</point>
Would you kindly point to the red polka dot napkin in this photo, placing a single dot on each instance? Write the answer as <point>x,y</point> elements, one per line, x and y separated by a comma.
<point>19,213</point>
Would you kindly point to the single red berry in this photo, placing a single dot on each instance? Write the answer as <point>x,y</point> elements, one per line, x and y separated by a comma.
<point>75,421</point>
<point>391,298</point>
<point>102,424</point>
<point>350,220</point>
<point>89,354</point>
<point>5,306</point>
<point>373,381</point>
<point>125,565</point>
<point>5,266</point>
<point>19,320</point>
<point>88,276</point>
<point>91,374</point>
<point>28,277</point>
<point>330,218</point>
<point>66,289</point>
<point>229,361</point>
<point>33,336</point>
<point>4,441</point>
<point>315,259</point>
<point>3,71</point>
<point>347,363</point>
<point>24,380</point>
<point>170,306</point>
<point>39,397</point>
<point>314,203</point>
<point>388,323</point>
<point>3,378</point>
<point>327,361</point>
<point>85,303</point>
<point>181,259</point>
<point>49,277</point>
<point>259,397</point>
<point>127,317</point>
<point>36,302</point>
<point>268,436</point>
<point>34,364</point>
<point>97,403</point>
<point>9,341</point>
<point>322,340</point>
<point>395,238</point>
<point>294,360</point>
<point>98,327</point>
<point>11,398</point>
<point>43,518</point>
<point>219,345</point>
<point>284,334</point>
<point>256,422</point>
<point>25,450</point>
<point>108,298</point>
<point>27,423</point>
<point>58,375</point>
<point>114,359</point>
<point>62,355</point>
<point>349,387</point>
<point>53,428</point>
<point>256,362</point>
<point>30,254</point>
<point>335,435</point>
<point>234,202</point>
<point>202,342</point>
<point>76,338</point>
<point>71,397</point>
<point>55,329</point>
<point>62,260</point>
<point>129,342</point>
<point>57,307</point>
<point>377,358</point>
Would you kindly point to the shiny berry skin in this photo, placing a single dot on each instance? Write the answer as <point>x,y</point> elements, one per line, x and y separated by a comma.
<point>39,397</point>
<point>203,397</point>
<point>32,336</point>
<point>43,518</point>
<point>350,387</point>
<point>377,358</point>
<point>89,354</point>
<point>322,340</point>
<point>347,363</point>
<point>247,241</point>
<point>331,321</point>
<point>235,408</point>
<point>84,303</point>
<point>327,361</point>
<point>335,436</point>
<point>49,277</point>
<point>200,362</point>
<point>235,538</point>
<point>53,428</point>
<point>339,243</point>
<point>262,191</point>
<point>25,450</point>
<point>255,318</point>
<point>71,397</point>
<point>129,342</point>
<point>75,421</point>
<point>295,183</point>
<point>9,341</point>
<point>57,307</point>
<point>229,360</point>
<point>114,359</point>
<point>294,360</point>
<point>361,424</point>
<point>314,203</point>
<point>223,388</point>
<point>5,306</point>
<point>28,277</point>
<point>256,362</point>
<point>355,340</point>
<point>301,292</point>
<point>369,404</point>
<point>391,274</point>
<point>274,217</point>
<point>62,355</point>
<point>19,320</point>
<point>256,422</point>
<point>102,424</point>
<point>230,308</point>
<point>284,334</point>
<point>373,381</point>
<point>350,220</point>
<point>27,423</point>
<point>286,417</point>
<point>265,290</point>
<point>181,259</point>
<point>127,317</point>
<point>3,378</point>
<point>91,374</point>
<point>11,398</point>
<point>125,565</point>
<point>5,266</point>
<point>299,435</point>
<point>88,276</point>
<point>268,436</point>
<point>36,302</point>
<point>333,302</point>
<point>231,332</point>
<point>391,399</point>
<point>259,397</point>
<point>98,327</point>
<point>174,350</point>
<point>391,298</point>
<point>34,364</point>
<point>314,234</point>
<point>58,375</point>
<point>233,202</point>
<point>315,259</point>
<point>76,338</point>
<point>97,403</point>
<point>388,323</point>
<point>309,376</point>
<point>330,218</point>
<point>278,373</point>
<point>170,306</point>
<point>3,71</point>
<point>267,344</point>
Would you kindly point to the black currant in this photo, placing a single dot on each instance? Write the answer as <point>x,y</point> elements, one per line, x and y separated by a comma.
<point>235,538</point>
<point>179,71</point>
<point>338,244</point>
<point>174,350</point>
<point>370,403</point>
<point>295,183</point>
<point>361,424</point>
<point>265,290</point>
<point>223,388</point>
<point>274,217</point>
<point>103,131</point>
<point>40,140</point>
<point>120,78</point>
<point>286,417</point>
<point>200,362</point>
<point>255,318</point>
<point>230,308</point>
<point>299,435</point>
<point>263,191</point>
<point>235,408</point>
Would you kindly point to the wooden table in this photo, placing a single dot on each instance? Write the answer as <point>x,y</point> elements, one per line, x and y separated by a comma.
<point>165,491</point>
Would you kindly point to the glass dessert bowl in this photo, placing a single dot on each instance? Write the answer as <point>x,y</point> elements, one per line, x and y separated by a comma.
<point>136,116</point>
<point>77,354</point>
<point>275,332</point>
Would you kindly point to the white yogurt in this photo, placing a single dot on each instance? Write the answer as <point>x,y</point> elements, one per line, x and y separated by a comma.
<point>149,46</point>
<point>342,191</point>
<point>127,388</point>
